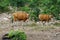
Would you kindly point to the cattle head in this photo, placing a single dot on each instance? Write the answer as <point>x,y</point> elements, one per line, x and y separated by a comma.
<point>51,16</point>
<point>27,16</point>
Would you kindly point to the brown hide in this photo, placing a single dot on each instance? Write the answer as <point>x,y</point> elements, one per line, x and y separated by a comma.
<point>21,15</point>
<point>45,17</point>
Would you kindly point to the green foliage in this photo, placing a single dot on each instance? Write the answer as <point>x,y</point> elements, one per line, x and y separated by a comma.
<point>25,8</point>
<point>33,7</point>
<point>18,3</point>
<point>4,5</point>
<point>18,35</point>
<point>34,14</point>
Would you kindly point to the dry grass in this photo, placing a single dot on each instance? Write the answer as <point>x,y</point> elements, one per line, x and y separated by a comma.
<point>31,25</point>
<point>44,28</point>
<point>57,24</point>
<point>34,26</point>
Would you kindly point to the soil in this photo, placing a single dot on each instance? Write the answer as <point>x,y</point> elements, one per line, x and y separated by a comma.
<point>32,32</point>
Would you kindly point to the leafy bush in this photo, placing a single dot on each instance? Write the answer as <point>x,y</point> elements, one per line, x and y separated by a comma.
<point>40,6</point>
<point>4,5</point>
<point>25,8</point>
<point>17,35</point>
<point>34,14</point>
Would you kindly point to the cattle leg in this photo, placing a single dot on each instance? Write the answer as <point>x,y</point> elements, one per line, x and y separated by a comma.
<point>43,22</point>
<point>47,23</point>
<point>15,19</point>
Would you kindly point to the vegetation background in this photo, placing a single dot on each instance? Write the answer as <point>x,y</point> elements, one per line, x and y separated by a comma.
<point>33,7</point>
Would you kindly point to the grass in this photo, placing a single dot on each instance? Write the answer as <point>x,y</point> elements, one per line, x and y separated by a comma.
<point>31,25</point>
<point>34,26</point>
<point>57,24</point>
<point>43,27</point>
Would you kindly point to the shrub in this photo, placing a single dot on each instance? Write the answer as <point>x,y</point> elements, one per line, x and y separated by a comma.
<point>16,35</point>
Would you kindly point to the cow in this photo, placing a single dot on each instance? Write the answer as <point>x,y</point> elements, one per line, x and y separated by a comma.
<point>45,17</point>
<point>20,16</point>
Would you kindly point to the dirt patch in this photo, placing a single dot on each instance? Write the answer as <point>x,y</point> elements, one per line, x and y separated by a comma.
<point>33,31</point>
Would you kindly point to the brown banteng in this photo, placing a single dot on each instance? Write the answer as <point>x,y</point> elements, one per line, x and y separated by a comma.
<point>20,16</point>
<point>45,17</point>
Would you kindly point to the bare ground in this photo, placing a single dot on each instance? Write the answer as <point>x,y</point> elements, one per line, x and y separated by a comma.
<point>33,31</point>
